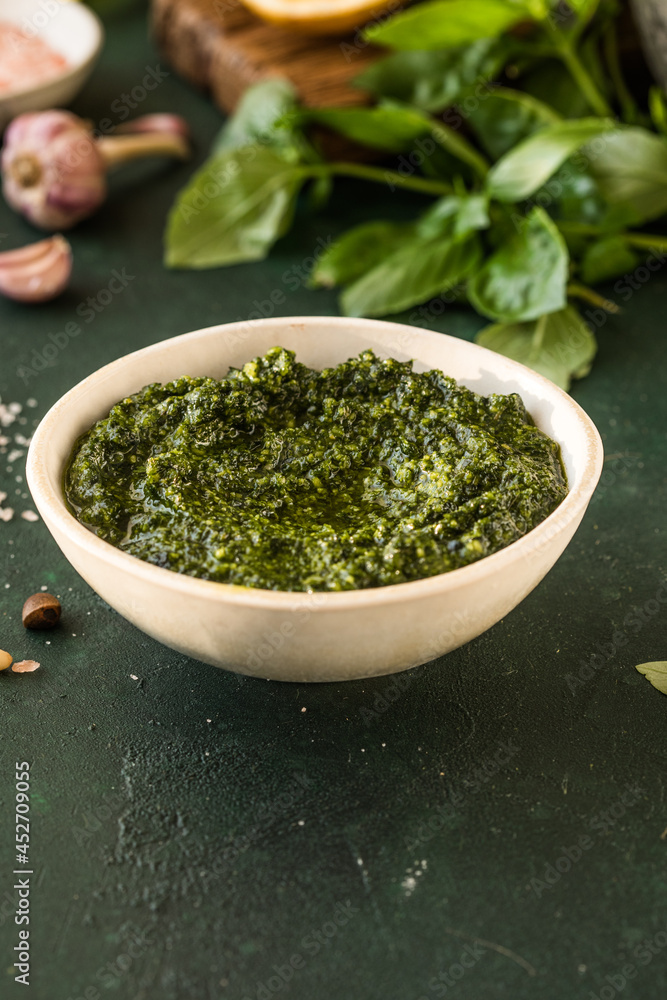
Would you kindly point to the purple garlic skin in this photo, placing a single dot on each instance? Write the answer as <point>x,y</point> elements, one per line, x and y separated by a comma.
<point>164,122</point>
<point>38,272</point>
<point>53,172</point>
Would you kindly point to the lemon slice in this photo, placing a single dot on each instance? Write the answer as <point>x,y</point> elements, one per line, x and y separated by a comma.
<point>317,17</point>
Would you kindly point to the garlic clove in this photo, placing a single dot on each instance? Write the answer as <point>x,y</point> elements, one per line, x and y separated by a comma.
<point>38,272</point>
<point>20,255</point>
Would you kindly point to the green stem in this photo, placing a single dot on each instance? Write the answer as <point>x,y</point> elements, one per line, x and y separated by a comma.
<point>567,53</point>
<point>646,241</point>
<point>625,98</point>
<point>538,336</point>
<point>588,295</point>
<point>579,228</point>
<point>459,147</point>
<point>391,177</point>
<point>583,20</point>
<point>642,241</point>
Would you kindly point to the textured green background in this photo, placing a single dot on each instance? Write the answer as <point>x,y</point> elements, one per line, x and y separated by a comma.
<point>227,820</point>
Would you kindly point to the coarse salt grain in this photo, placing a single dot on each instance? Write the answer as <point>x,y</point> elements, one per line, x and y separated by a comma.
<point>29,515</point>
<point>6,514</point>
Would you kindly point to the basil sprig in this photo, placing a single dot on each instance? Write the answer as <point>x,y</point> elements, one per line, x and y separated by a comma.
<point>536,187</point>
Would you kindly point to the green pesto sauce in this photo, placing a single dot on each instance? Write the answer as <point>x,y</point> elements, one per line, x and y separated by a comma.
<point>286,478</point>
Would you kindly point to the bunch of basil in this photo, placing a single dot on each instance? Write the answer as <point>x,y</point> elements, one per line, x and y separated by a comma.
<point>535,188</point>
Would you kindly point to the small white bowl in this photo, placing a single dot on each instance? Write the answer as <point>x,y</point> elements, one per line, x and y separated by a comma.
<point>313,637</point>
<point>71,29</point>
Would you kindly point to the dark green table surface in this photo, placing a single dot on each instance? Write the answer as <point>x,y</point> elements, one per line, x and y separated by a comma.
<point>498,820</point>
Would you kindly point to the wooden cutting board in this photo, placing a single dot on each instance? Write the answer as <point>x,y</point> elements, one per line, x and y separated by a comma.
<point>222,47</point>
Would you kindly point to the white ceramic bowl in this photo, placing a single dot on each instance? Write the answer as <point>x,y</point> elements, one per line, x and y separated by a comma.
<point>313,637</point>
<point>71,29</point>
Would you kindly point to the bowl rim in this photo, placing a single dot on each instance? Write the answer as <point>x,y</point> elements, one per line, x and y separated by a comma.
<point>52,502</point>
<point>73,67</point>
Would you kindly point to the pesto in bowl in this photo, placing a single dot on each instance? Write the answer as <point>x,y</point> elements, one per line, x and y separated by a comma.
<point>281,477</point>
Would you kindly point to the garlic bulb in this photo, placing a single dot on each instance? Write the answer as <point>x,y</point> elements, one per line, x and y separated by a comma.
<point>54,168</point>
<point>38,272</point>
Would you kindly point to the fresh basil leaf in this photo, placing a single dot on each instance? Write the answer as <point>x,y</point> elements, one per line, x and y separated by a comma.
<point>526,167</point>
<point>233,209</point>
<point>631,171</point>
<point>357,251</point>
<point>438,220</point>
<point>455,215</point>
<point>526,276</point>
<point>395,127</point>
<point>389,126</point>
<point>656,673</point>
<point>260,117</point>
<point>441,24</point>
<point>573,194</point>
<point>414,273</point>
<point>473,214</point>
<point>435,80</point>
<point>559,346</point>
<point>607,259</point>
<point>505,117</point>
